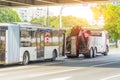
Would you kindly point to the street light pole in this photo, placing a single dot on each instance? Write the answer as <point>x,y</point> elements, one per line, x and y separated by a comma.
<point>47,16</point>
<point>61,16</point>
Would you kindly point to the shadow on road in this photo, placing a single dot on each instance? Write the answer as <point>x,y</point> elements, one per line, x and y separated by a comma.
<point>41,62</point>
<point>98,61</point>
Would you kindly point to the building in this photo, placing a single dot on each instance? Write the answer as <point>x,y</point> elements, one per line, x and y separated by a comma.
<point>31,12</point>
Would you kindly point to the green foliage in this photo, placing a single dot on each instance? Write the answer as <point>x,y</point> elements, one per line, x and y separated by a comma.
<point>38,20</point>
<point>51,21</point>
<point>112,19</point>
<point>111,15</point>
<point>25,21</point>
<point>67,21</point>
<point>70,21</point>
<point>98,10</point>
<point>54,21</point>
<point>8,15</point>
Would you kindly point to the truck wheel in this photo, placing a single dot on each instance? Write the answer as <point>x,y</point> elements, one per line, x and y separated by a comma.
<point>77,56</point>
<point>69,56</point>
<point>86,55</point>
<point>25,58</point>
<point>91,52</point>
<point>106,52</point>
<point>95,52</point>
<point>107,49</point>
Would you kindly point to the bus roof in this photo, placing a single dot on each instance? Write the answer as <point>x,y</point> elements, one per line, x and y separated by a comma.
<point>30,25</point>
<point>5,24</point>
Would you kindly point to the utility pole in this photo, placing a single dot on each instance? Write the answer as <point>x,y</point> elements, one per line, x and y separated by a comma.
<point>46,20</point>
<point>47,16</point>
<point>61,16</point>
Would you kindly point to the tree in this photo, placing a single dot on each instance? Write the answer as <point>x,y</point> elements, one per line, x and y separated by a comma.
<point>111,14</point>
<point>67,21</point>
<point>98,10</point>
<point>25,21</point>
<point>70,21</point>
<point>37,20</point>
<point>112,23</point>
<point>8,15</point>
<point>50,21</point>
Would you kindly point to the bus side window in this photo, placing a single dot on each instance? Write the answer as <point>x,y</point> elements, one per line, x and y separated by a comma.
<point>33,38</point>
<point>55,39</point>
<point>25,38</point>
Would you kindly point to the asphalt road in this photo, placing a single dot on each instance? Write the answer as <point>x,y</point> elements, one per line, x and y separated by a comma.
<point>99,68</point>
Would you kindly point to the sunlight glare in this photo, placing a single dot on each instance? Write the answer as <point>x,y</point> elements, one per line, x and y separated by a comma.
<point>78,11</point>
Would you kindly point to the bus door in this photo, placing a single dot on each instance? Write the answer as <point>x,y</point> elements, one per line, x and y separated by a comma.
<point>2,43</point>
<point>62,42</point>
<point>40,43</point>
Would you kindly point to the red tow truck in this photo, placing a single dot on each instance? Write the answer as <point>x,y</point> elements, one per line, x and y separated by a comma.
<point>88,42</point>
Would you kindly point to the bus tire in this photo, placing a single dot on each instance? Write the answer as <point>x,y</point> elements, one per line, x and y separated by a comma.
<point>54,55</point>
<point>25,58</point>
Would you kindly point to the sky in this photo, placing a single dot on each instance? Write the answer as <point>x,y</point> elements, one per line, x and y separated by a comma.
<point>82,11</point>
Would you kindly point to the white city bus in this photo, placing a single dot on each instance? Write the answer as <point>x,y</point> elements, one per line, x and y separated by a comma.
<point>24,42</point>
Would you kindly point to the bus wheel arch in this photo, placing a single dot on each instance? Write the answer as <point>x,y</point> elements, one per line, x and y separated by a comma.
<point>26,58</point>
<point>54,55</point>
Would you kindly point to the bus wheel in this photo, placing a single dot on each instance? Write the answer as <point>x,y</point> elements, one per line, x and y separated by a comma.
<point>25,58</point>
<point>54,55</point>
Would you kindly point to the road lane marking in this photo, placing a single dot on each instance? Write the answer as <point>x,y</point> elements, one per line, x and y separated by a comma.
<point>111,77</point>
<point>45,64</point>
<point>62,78</point>
<point>32,75</point>
<point>103,64</point>
<point>28,66</point>
<point>50,73</point>
<point>16,68</point>
<point>38,74</point>
<point>56,72</point>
